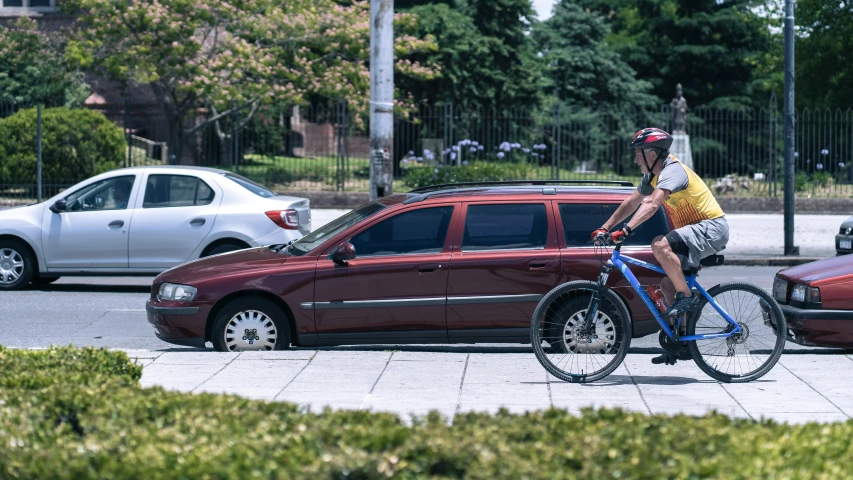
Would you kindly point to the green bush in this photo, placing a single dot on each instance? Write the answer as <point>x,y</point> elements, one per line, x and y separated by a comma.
<point>277,176</point>
<point>76,144</point>
<point>821,179</point>
<point>86,417</point>
<point>801,181</point>
<point>416,177</point>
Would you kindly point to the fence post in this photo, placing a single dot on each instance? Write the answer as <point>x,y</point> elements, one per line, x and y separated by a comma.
<point>38,153</point>
<point>236,126</point>
<point>341,155</point>
<point>127,132</point>
<point>233,135</point>
<point>555,143</point>
<point>448,128</point>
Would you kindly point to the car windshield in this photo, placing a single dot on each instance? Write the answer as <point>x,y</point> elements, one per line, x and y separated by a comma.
<point>249,185</point>
<point>314,239</point>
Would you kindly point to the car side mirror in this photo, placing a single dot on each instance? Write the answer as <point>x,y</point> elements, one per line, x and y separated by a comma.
<point>59,206</point>
<point>344,253</point>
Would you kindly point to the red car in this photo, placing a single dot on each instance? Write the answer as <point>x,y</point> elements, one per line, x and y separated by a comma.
<point>450,265</point>
<point>817,299</point>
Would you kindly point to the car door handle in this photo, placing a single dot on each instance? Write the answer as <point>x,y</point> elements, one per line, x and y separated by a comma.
<point>116,224</point>
<point>536,264</point>
<point>428,268</point>
<point>197,222</point>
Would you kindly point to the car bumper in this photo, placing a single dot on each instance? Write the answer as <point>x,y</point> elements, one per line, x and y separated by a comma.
<point>824,328</point>
<point>280,235</point>
<point>180,325</point>
<point>847,238</point>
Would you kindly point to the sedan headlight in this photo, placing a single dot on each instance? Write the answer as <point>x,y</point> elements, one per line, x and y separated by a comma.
<point>179,293</point>
<point>803,293</point>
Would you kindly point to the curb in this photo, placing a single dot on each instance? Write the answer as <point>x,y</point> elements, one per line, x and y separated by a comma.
<point>780,261</point>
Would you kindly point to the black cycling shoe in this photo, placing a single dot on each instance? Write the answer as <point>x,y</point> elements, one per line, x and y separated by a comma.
<point>682,305</point>
<point>670,357</point>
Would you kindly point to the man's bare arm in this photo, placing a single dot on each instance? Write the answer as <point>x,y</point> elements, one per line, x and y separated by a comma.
<point>627,208</point>
<point>648,208</point>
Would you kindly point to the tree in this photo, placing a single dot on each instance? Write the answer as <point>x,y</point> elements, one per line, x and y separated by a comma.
<point>477,67</point>
<point>711,47</point>
<point>824,53</point>
<point>601,99</point>
<point>584,70</point>
<point>33,68</point>
<point>206,58</point>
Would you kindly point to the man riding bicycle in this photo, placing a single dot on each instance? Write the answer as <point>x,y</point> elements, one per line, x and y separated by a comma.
<point>701,229</point>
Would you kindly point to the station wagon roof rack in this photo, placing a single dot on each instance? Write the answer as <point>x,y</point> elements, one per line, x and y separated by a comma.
<point>450,186</point>
<point>421,194</point>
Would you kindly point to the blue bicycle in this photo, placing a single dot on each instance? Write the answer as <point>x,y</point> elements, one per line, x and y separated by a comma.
<point>581,330</point>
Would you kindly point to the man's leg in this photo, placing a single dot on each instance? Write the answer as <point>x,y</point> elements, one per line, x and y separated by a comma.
<point>667,251</point>
<point>671,264</point>
<point>672,283</point>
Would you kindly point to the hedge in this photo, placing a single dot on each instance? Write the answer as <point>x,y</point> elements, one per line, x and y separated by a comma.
<point>86,417</point>
<point>76,144</point>
<point>424,176</point>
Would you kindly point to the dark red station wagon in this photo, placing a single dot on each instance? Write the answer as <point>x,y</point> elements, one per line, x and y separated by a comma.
<point>448,265</point>
<point>817,299</point>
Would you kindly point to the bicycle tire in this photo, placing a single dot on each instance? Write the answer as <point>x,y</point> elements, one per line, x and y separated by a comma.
<point>764,326</point>
<point>565,302</point>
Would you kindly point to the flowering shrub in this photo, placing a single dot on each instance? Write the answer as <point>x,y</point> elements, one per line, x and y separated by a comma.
<point>479,171</point>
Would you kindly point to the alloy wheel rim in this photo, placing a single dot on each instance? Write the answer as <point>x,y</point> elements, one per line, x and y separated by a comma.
<point>11,266</point>
<point>250,330</point>
<point>604,338</point>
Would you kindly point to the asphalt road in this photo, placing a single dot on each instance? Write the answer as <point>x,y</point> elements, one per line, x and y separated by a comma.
<point>110,312</point>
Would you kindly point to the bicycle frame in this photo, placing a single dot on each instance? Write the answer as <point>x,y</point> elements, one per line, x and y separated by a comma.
<point>620,261</point>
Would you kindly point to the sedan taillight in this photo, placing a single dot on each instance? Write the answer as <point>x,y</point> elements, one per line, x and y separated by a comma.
<point>288,219</point>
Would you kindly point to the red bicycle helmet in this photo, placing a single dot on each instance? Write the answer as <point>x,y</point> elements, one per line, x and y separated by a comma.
<point>651,138</point>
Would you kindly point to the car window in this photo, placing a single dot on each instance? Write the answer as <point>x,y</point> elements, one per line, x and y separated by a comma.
<point>249,185</point>
<point>110,194</point>
<point>314,239</point>
<point>418,231</point>
<point>505,227</point>
<point>176,191</point>
<point>579,220</point>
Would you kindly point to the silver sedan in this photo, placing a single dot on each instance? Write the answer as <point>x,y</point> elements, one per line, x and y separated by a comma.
<point>143,220</point>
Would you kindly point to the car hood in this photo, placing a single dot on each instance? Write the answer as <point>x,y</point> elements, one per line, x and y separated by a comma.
<point>822,271</point>
<point>18,211</point>
<point>218,265</point>
<point>847,223</point>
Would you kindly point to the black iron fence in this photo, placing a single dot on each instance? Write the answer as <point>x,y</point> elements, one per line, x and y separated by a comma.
<point>292,148</point>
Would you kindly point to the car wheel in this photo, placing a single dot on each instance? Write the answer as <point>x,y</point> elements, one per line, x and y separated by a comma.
<point>251,324</point>
<point>16,265</point>
<point>44,280</point>
<point>224,248</point>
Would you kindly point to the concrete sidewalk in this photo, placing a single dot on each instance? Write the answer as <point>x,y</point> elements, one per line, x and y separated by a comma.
<point>801,388</point>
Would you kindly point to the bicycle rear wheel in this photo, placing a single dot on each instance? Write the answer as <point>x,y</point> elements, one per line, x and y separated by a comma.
<point>563,349</point>
<point>745,356</point>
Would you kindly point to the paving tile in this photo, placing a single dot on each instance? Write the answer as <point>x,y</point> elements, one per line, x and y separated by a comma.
<point>196,358</point>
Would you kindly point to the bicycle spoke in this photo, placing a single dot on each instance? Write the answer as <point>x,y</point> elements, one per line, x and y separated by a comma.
<point>751,352</point>
<point>573,353</point>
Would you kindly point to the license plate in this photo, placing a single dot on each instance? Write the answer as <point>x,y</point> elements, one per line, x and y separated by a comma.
<point>845,244</point>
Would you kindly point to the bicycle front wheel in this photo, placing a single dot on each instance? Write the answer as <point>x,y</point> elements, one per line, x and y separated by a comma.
<point>563,349</point>
<point>744,356</point>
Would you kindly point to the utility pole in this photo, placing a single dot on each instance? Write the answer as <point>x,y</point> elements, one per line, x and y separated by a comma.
<point>790,249</point>
<point>381,97</point>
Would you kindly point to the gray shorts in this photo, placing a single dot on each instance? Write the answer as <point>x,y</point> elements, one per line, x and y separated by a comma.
<point>701,240</point>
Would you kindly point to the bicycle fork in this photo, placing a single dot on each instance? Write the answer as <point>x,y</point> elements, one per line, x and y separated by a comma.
<point>588,328</point>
